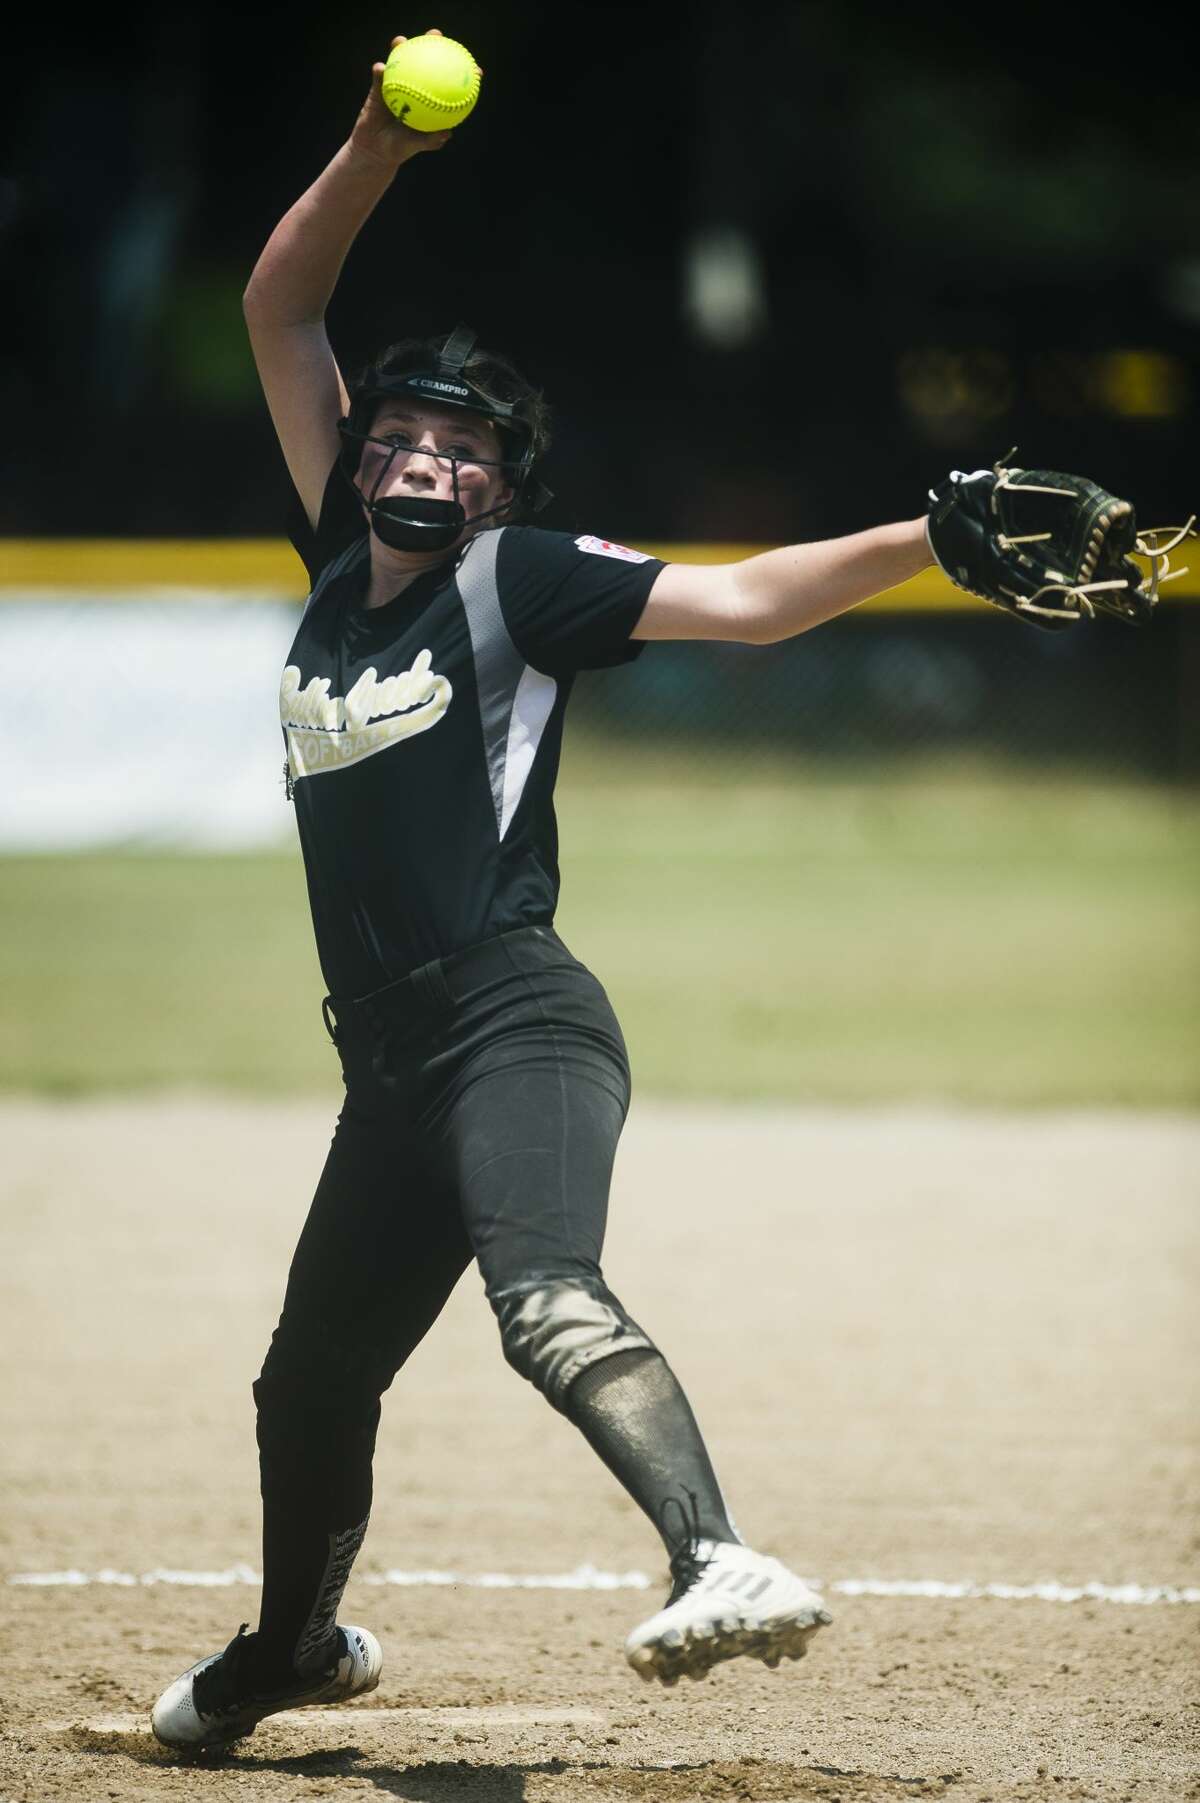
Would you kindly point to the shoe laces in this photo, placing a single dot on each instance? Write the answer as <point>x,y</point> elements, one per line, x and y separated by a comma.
<point>219,1689</point>
<point>685,1561</point>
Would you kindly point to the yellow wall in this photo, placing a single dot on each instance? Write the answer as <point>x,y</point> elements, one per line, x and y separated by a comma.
<point>270,565</point>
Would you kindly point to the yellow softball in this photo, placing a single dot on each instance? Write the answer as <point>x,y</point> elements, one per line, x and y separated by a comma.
<point>431,83</point>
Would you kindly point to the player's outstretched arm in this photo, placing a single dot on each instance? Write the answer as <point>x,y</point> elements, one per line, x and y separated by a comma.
<point>294,278</point>
<point>781,593</point>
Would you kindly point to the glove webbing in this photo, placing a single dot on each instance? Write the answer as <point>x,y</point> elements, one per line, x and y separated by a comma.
<point>1145,544</point>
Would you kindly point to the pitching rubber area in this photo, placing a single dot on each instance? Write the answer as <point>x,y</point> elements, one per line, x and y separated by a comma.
<point>946,1363</point>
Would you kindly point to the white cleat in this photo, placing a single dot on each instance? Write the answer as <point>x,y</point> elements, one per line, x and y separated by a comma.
<point>727,1602</point>
<point>211,1704</point>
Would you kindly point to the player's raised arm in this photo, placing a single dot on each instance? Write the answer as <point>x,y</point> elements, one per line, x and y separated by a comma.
<point>294,278</point>
<point>783,592</point>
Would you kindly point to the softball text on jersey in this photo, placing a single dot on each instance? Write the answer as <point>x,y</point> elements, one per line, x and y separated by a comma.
<point>330,732</point>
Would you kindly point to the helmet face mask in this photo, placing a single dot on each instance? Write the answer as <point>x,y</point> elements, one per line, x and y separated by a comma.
<point>414,522</point>
<point>421,523</point>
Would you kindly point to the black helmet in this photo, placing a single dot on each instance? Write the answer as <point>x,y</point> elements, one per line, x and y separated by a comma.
<point>414,522</point>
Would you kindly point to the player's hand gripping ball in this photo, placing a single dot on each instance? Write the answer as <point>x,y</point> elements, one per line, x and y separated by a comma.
<point>431,83</point>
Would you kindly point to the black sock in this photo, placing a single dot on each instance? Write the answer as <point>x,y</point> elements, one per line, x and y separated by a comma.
<point>632,1412</point>
<point>305,1571</point>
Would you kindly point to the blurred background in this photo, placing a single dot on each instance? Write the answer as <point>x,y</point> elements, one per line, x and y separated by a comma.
<point>778,270</point>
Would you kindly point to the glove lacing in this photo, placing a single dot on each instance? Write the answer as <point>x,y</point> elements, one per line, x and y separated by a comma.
<point>1145,544</point>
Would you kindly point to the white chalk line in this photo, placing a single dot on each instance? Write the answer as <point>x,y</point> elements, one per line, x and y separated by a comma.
<point>588,1577</point>
<point>502,1715</point>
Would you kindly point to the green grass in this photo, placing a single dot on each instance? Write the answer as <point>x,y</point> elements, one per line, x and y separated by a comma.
<point>764,932</point>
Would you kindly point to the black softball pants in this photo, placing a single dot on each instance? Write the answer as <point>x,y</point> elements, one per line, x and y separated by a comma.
<point>485,1095</point>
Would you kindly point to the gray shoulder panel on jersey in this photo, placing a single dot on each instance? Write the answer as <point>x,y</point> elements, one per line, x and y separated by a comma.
<point>514,699</point>
<point>344,561</point>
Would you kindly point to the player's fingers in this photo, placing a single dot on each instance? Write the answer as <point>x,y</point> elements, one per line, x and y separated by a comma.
<point>431,140</point>
<point>396,41</point>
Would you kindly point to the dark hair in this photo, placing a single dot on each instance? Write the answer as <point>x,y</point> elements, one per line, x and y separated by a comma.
<point>489,371</point>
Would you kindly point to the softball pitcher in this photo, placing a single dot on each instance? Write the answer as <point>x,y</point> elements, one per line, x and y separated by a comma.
<point>422,710</point>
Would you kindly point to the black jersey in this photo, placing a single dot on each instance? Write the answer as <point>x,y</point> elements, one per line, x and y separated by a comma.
<point>423,736</point>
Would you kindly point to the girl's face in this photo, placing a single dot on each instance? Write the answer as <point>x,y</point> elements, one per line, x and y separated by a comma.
<point>421,440</point>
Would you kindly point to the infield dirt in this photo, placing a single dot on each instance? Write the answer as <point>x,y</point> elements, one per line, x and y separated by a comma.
<point>923,1345</point>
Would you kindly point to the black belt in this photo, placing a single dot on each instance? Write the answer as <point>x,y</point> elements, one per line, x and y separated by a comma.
<point>444,980</point>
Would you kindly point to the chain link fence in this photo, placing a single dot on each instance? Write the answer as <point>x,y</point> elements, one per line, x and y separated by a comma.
<point>157,722</point>
<point>1099,696</point>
